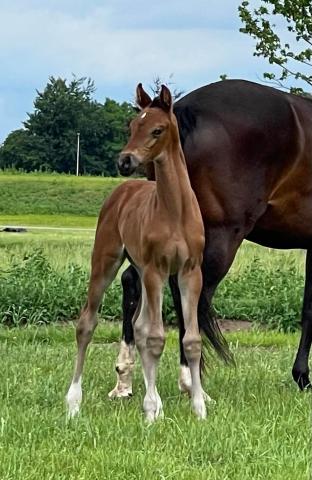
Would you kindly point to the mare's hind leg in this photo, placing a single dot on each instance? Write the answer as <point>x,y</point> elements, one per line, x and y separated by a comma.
<point>300,369</point>
<point>131,286</point>
<point>106,261</point>
<point>150,339</point>
<point>190,285</point>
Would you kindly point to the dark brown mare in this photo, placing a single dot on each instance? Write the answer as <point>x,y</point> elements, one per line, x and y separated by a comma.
<point>159,225</point>
<point>248,150</point>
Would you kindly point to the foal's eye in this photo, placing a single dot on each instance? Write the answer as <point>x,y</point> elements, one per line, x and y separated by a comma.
<point>156,132</point>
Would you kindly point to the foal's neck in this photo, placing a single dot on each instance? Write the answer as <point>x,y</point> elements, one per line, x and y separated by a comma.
<point>173,188</point>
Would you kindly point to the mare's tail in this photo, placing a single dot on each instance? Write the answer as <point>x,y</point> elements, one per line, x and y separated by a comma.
<point>212,337</point>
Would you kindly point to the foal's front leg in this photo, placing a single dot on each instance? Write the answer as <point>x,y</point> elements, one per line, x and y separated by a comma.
<point>104,269</point>
<point>190,285</point>
<point>150,339</point>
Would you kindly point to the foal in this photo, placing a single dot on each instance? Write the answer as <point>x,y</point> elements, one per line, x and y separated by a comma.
<point>159,226</point>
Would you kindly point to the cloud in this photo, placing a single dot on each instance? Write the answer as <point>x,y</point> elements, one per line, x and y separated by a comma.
<point>121,43</point>
<point>53,41</point>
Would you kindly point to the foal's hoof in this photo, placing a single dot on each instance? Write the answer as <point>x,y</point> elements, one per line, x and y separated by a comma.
<point>120,392</point>
<point>72,412</point>
<point>152,416</point>
<point>208,399</point>
<point>153,408</point>
<point>199,408</point>
<point>73,400</point>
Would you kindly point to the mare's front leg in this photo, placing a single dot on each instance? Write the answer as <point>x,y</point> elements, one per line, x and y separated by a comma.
<point>131,287</point>
<point>300,369</point>
<point>150,339</point>
<point>190,284</point>
<point>106,260</point>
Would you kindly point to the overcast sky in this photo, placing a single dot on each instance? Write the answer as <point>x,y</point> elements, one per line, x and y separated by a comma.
<point>118,43</point>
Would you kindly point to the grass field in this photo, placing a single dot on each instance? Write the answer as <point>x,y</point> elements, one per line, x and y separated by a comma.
<point>259,428</point>
<point>52,194</point>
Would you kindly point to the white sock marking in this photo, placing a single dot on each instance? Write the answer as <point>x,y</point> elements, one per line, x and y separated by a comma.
<point>73,398</point>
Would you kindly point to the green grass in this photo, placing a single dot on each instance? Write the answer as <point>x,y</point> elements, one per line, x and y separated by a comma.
<point>52,194</point>
<point>61,248</point>
<point>62,220</point>
<point>259,428</point>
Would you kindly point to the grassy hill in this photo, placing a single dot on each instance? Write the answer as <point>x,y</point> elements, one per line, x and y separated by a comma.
<point>52,194</point>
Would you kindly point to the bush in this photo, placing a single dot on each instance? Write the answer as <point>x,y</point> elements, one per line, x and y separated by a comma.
<point>32,291</point>
<point>269,295</point>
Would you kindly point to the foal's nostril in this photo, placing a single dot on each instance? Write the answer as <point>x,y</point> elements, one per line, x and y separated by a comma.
<point>126,164</point>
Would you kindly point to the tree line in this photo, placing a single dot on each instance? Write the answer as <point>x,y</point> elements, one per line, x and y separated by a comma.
<point>48,139</point>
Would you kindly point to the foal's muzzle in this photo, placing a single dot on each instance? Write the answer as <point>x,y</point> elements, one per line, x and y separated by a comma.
<point>127,164</point>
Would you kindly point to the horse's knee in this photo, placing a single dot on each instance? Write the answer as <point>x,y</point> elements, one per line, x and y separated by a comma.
<point>192,347</point>
<point>155,344</point>
<point>153,341</point>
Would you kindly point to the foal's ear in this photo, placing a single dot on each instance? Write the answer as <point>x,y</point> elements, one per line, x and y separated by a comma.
<point>143,99</point>
<point>165,98</point>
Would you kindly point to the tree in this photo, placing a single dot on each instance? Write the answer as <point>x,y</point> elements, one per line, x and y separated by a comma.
<point>49,139</point>
<point>293,54</point>
<point>103,134</point>
<point>23,151</point>
<point>58,113</point>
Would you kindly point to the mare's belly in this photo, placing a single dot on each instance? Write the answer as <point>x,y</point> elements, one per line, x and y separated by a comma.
<point>287,223</point>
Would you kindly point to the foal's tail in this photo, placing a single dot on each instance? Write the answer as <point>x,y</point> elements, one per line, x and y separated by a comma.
<point>211,333</point>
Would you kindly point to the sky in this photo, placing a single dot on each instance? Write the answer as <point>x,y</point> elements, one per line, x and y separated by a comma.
<point>118,43</point>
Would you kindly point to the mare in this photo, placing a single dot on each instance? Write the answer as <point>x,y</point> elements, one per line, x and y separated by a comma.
<point>248,150</point>
<point>159,226</point>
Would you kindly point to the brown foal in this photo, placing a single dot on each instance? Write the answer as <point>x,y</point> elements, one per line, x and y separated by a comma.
<point>159,226</point>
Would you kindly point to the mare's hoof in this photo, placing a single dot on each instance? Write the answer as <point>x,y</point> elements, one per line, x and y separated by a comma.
<point>302,380</point>
<point>118,392</point>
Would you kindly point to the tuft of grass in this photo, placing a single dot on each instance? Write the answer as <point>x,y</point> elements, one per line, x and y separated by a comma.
<point>252,432</point>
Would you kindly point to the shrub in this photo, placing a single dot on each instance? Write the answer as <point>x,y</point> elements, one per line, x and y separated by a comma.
<point>32,291</point>
<point>268,294</point>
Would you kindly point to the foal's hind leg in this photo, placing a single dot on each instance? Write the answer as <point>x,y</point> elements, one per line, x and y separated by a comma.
<point>300,369</point>
<point>105,265</point>
<point>131,286</point>
<point>190,285</point>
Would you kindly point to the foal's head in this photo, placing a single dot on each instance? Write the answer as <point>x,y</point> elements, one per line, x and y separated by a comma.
<point>151,131</point>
